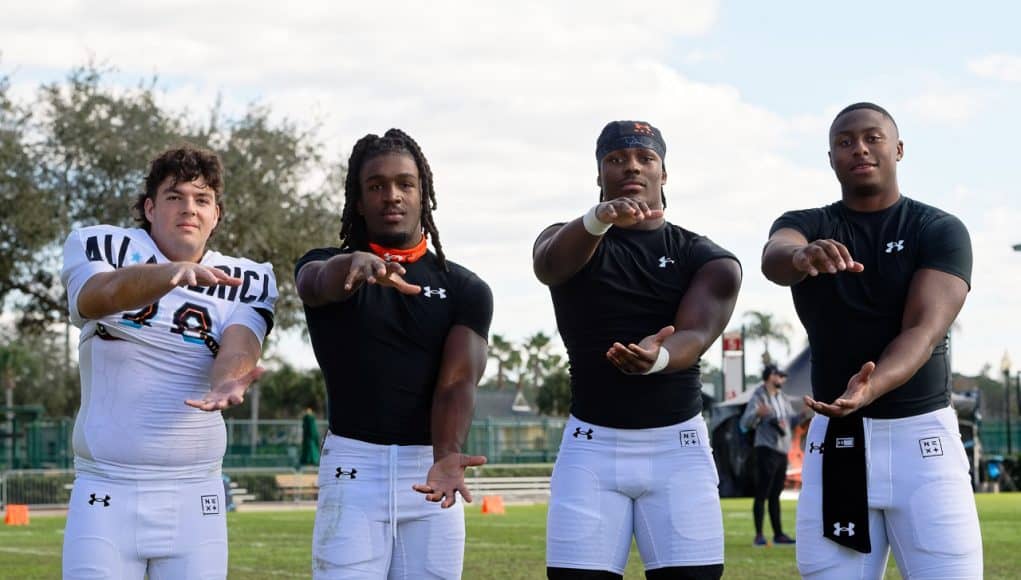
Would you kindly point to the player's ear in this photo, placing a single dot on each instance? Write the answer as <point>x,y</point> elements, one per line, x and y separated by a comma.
<point>900,150</point>
<point>147,209</point>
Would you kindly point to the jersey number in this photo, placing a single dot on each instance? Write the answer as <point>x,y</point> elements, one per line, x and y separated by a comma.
<point>191,321</point>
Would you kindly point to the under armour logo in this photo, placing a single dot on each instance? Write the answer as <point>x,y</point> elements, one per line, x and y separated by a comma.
<point>845,442</point>
<point>103,500</point>
<point>689,438</point>
<point>429,292</point>
<point>813,448</point>
<point>891,246</point>
<point>643,128</point>
<point>663,261</point>
<point>578,433</point>
<point>931,447</point>
<point>838,530</point>
<point>348,474</point>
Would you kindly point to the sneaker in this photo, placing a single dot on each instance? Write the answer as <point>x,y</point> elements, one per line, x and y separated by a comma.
<point>760,541</point>
<point>781,539</point>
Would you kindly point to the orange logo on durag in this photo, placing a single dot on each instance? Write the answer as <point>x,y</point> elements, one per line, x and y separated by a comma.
<point>643,129</point>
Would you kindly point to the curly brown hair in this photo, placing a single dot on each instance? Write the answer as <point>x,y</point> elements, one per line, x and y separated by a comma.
<point>184,163</point>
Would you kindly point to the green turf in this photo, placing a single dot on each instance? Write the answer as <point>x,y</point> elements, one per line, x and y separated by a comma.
<point>275,544</point>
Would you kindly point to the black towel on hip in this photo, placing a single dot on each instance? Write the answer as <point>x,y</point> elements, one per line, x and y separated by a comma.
<point>845,498</point>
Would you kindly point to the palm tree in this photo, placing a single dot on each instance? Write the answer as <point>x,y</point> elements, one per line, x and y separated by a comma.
<point>504,352</point>
<point>762,326</point>
<point>537,347</point>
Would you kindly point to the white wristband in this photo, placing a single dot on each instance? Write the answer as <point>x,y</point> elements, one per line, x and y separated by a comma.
<point>662,360</point>
<point>593,224</point>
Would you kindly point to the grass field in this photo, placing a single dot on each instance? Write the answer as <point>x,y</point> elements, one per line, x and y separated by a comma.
<point>276,544</point>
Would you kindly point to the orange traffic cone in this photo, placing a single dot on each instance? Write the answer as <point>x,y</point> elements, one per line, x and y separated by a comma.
<point>493,504</point>
<point>17,515</point>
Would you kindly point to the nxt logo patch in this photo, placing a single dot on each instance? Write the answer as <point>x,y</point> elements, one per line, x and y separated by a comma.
<point>429,292</point>
<point>643,128</point>
<point>813,448</point>
<point>891,246</point>
<point>689,438</point>
<point>350,474</point>
<point>579,433</point>
<point>931,447</point>
<point>838,529</point>
<point>104,501</point>
<point>845,442</point>
<point>663,261</point>
<point>210,505</point>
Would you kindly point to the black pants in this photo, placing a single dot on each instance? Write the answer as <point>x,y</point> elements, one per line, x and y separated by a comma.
<point>770,471</point>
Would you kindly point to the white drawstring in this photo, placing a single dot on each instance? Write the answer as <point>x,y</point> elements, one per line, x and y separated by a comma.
<point>393,492</point>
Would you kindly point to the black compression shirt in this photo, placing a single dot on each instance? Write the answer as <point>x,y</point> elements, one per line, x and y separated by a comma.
<point>851,318</point>
<point>630,289</point>
<point>380,350</point>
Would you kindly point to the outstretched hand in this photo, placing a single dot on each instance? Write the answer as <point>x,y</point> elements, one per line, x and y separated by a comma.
<point>191,274</point>
<point>825,257</point>
<point>227,393</point>
<point>636,359</point>
<point>446,477</point>
<point>372,269</point>
<point>859,393</point>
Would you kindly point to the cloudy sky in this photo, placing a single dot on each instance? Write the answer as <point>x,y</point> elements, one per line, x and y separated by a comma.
<point>507,99</point>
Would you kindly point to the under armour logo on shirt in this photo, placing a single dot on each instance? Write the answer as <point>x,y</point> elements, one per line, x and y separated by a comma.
<point>579,433</point>
<point>891,246</point>
<point>663,261</point>
<point>210,505</point>
<point>848,529</point>
<point>429,292</point>
<point>813,448</point>
<point>103,500</point>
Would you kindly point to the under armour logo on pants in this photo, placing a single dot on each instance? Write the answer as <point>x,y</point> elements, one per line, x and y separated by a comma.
<point>838,529</point>
<point>578,433</point>
<point>348,474</point>
<point>104,500</point>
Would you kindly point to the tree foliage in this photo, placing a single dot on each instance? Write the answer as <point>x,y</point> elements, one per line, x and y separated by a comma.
<point>763,326</point>
<point>535,371</point>
<point>81,159</point>
<point>285,393</point>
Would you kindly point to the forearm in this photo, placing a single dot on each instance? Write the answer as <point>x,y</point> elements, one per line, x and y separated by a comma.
<point>685,348</point>
<point>778,263</point>
<point>451,418</point>
<point>901,360</point>
<point>239,353</point>
<point>564,253</point>
<point>749,419</point>
<point>127,288</point>
<point>320,283</point>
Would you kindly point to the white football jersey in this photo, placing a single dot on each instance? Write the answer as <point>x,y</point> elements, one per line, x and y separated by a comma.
<point>138,368</point>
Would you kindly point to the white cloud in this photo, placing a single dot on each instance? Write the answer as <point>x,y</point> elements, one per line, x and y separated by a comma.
<point>946,107</point>
<point>1001,67</point>
<point>506,101</point>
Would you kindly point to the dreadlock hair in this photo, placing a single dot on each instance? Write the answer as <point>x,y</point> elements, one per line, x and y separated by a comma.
<point>352,224</point>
